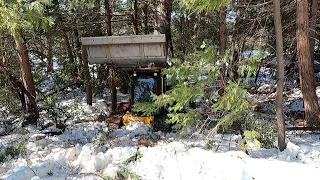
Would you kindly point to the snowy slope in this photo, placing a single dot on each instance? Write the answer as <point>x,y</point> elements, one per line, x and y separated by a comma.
<point>89,150</point>
<point>82,153</point>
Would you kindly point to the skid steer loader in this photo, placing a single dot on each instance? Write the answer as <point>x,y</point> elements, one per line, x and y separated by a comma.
<point>142,55</point>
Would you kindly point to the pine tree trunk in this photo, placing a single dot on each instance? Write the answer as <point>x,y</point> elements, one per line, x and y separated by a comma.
<point>112,72</point>
<point>97,29</point>
<point>87,76</point>
<point>182,27</point>
<point>163,23</point>
<point>108,17</point>
<point>158,16</point>
<point>223,30</point>
<point>134,4</point>
<point>168,9</point>
<point>223,46</point>
<point>306,71</point>
<point>70,54</point>
<point>145,18</point>
<point>280,75</point>
<point>101,75</point>
<point>50,54</point>
<point>27,77</point>
<point>234,59</point>
<point>234,62</point>
<point>313,24</point>
<point>25,68</point>
<point>3,50</point>
<point>78,52</point>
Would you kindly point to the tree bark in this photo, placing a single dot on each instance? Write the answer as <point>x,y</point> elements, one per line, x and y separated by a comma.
<point>87,76</point>
<point>108,17</point>
<point>27,76</point>
<point>112,72</point>
<point>134,4</point>
<point>145,17</point>
<point>158,16</point>
<point>101,75</point>
<point>313,24</point>
<point>223,30</point>
<point>70,54</point>
<point>97,29</point>
<point>168,9</point>
<point>306,71</point>
<point>78,52</point>
<point>50,54</point>
<point>25,68</point>
<point>223,47</point>
<point>163,23</point>
<point>233,69</point>
<point>235,54</point>
<point>3,50</point>
<point>280,75</point>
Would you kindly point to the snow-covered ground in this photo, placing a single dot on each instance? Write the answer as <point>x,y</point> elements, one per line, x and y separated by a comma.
<point>88,149</point>
<point>91,151</point>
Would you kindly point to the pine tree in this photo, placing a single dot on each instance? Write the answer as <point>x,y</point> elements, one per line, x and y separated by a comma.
<point>306,70</point>
<point>12,20</point>
<point>280,76</point>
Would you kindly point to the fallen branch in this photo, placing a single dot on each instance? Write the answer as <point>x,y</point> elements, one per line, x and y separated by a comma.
<point>303,128</point>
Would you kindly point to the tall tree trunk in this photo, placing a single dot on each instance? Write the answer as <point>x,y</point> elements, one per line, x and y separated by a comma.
<point>306,71</point>
<point>182,27</point>
<point>235,54</point>
<point>97,29</point>
<point>163,23</point>
<point>3,50</point>
<point>234,60</point>
<point>145,17</point>
<point>168,9</point>
<point>112,71</point>
<point>25,68</point>
<point>78,52</point>
<point>70,54</point>
<point>280,75</point>
<point>134,5</point>
<point>313,24</point>
<point>158,16</point>
<point>223,46</point>
<point>50,54</point>
<point>108,17</point>
<point>87,76</point>
<point>27,76</point>
<point>223,30</point>
<point>101,76</point>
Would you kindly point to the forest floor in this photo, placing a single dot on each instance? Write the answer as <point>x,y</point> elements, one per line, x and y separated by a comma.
<point>89,149</point>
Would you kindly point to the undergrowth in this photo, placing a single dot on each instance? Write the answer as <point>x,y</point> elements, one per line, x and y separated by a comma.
<point>122,175</point>
<point>13,150</point>
<point>194,81</point>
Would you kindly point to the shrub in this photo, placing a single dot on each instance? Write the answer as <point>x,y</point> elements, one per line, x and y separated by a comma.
<point>194,80</point>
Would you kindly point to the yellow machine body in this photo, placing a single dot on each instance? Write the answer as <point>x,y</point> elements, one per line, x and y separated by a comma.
<point>129,117</point>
